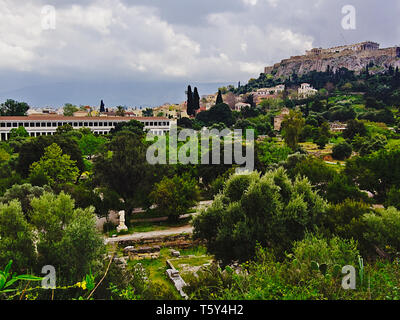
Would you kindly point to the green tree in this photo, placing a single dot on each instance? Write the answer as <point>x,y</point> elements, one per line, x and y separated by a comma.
<point>123,167</point>
<point>91,144</point>
<point>220,113</point>
<point>81,246</point>
<point>366,145</point>
<point>18,133</point>
<point>393,198</point>
<point>133,126</point>
<point>342,187</point>
<point>13,108</point>
<point>58,168</point>
<point>24,193</point>
<point>32,150</point>
<point>377,172</point>
<point>382,230</point>
<point>270,210</point>
<point>148,112</point>
<point>321,141</point>
<point>120,111</point>
<point>315,169</point>
<point>17,238</point>
<point>340,218</point>
<point>69,110</point>
<point>66,128</point>
<point>67,236</point>
<point>342,151</point>
<point>353,128</point>
<point>175,196</point>
<point>292,126</point>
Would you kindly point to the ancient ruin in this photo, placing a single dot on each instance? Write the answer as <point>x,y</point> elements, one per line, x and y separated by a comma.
<point>355,57</point>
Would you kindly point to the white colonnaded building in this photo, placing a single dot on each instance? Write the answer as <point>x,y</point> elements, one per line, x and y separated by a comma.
<point>47,125</point>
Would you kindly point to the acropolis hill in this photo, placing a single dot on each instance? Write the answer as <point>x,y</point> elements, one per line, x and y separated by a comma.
<point>354,57</point>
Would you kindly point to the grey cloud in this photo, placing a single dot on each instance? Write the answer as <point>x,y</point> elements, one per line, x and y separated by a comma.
<point>175,40</point>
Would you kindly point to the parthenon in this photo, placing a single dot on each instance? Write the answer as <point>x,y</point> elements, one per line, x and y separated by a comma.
<point>362,46</point>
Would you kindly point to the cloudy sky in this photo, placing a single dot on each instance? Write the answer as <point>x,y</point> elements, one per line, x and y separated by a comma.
<point>113,49</point>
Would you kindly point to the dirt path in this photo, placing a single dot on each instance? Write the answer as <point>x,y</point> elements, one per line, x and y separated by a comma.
<point>199,207</point>
<point>188,229</point>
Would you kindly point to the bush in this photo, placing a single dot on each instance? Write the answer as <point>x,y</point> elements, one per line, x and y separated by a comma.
<point>321,142</point>
<point>383,230</point>
<point>334,251</point>
<point>208,283</point>
<point>341,188</point>
<point>393,198</point>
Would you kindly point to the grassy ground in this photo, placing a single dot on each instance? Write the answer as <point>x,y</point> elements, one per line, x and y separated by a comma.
<point>312,148</point>
<point>157,267</point>
<point>194,257</point>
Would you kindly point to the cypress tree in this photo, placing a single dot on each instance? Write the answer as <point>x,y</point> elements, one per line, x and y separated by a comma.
<point>219,98</point>
<point>397,74</point>
<point>102,109</point>
<point>196,99</point>
<point>190,104</point>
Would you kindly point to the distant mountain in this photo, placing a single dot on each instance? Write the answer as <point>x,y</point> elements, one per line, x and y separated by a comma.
<point>131,94</point>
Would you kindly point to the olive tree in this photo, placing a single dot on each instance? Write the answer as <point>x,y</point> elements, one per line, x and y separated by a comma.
<point>271,210</point>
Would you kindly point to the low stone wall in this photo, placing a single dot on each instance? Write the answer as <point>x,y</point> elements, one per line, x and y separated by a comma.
<point>181,241</point>
<point>176,279</point>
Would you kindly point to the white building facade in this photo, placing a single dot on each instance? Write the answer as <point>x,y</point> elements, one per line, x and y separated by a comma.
<point>306,90</point>
<point>47,125</point>
<point>270,91</point>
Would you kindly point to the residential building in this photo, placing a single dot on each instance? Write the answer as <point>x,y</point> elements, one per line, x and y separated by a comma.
<point>306,90</point>
<point>240,105</point>
<point>270,91</point>
<point>337,126</point>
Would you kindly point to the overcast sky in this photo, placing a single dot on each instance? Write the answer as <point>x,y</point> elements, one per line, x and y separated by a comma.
<point>174,40</point>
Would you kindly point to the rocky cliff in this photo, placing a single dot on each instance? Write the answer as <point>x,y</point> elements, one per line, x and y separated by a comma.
<point>356,61</point>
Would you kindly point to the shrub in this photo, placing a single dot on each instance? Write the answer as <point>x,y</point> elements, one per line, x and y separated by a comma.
<point>383,229</point>
<point>321,141</point>
<point>393,198</point>
<point>338,218</point>
<point>334,251</point>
